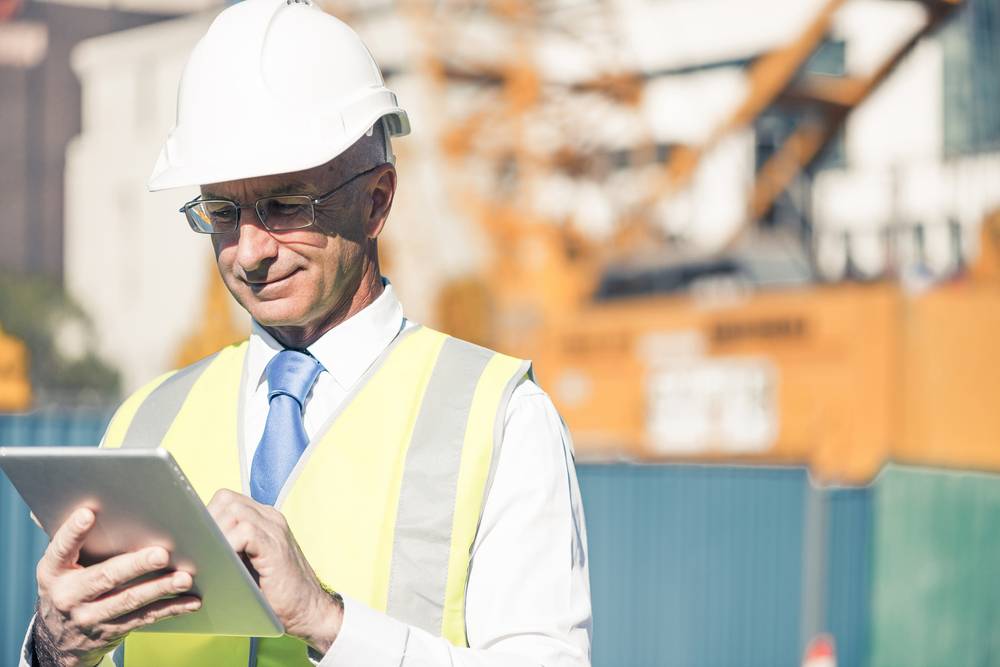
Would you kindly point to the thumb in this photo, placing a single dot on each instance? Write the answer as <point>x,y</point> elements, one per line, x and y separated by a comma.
<point>63,551</point>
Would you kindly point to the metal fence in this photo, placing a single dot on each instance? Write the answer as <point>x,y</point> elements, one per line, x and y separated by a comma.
<point>695,565</point>
<point>21,542</point>
<point>715,566</point>
<point>720,567</point>
<point>935,569</point>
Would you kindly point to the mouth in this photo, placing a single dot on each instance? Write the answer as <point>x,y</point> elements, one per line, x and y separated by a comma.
<point>258,286</point>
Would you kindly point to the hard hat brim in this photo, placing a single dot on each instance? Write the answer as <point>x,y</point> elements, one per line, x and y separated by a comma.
<point>172,172</point>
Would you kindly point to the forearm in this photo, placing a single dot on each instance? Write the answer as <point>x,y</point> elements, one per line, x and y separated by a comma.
<point>44,652</point>
<point>328,626</point>
<point>41,650</point>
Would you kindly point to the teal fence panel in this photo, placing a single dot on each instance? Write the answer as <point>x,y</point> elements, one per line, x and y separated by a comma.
<point>936,569</point>
<point>21,542</point>
<point>695,566</point>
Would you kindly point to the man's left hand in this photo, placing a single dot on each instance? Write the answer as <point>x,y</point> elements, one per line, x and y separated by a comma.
<point>286,578</point>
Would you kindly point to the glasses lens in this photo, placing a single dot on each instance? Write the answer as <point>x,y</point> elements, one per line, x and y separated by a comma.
<point>213,216</point>
<point>291,212</point>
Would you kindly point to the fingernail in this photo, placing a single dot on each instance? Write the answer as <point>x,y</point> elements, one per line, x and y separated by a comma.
<point>159,558</point>
<point>192,606</point>
<point>182,580</point>
<point>84,517</point>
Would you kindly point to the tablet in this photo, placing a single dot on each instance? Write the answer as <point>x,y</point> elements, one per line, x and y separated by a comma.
<point>142,498</point>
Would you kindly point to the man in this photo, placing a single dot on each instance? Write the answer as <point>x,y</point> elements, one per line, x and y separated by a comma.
<point>403,497</point>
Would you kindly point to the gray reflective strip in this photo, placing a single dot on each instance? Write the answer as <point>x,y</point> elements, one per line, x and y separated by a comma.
<point>153,418</point>
<point>498,425</point>
<point>241,407</point>
<point>419,573</point>
<point>525,369</point>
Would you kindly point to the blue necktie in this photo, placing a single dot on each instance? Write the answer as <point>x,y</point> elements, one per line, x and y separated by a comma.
<point>290,376</point>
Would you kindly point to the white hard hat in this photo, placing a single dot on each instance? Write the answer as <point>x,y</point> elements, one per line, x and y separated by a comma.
<point>274,86</point>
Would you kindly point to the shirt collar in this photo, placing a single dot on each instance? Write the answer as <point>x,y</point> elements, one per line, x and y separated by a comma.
<point>347,350</point>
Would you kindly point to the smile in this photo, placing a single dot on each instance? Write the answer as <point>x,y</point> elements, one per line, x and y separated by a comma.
<point>265,285</point>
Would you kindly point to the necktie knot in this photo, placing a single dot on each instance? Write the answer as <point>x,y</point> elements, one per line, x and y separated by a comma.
<point>292,373</point>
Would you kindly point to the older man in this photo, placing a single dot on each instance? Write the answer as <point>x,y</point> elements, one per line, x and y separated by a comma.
<point>405,498</point>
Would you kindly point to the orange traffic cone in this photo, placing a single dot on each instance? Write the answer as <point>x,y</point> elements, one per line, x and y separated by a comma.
<point>820,653</point>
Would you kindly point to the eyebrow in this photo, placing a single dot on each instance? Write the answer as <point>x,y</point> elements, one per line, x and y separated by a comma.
<point>291,187</point>
<point>296,187</point>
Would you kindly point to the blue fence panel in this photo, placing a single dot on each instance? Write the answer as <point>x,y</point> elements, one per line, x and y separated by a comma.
<point>849,573</point>
<point>21,542</point>
<point>695,566</point>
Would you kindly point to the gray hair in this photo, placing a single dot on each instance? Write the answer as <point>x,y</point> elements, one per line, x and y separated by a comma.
<point>370,150</point>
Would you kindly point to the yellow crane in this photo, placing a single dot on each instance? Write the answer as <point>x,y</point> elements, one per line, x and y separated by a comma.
<point>15,386</point>
<point>840,377</point>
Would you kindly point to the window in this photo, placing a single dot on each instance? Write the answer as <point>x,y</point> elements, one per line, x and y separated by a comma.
<point>972,79</point>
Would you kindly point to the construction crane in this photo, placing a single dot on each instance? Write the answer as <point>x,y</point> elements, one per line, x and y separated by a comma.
<point>839,376</point>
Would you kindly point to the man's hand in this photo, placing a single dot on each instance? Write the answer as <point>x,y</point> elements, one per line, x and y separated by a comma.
<point>84,612</point>
<point>286,578</point>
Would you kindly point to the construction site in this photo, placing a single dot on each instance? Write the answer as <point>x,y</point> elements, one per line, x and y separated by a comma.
<point>751,248</point>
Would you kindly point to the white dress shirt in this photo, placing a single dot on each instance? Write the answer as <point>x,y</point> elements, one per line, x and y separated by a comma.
<point>528,596</point>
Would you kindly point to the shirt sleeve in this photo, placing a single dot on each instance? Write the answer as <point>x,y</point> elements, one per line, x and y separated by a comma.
<point>528,596</point>
<point>28,646</point>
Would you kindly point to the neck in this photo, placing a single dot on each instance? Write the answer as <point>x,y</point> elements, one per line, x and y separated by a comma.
<point>299,338</point>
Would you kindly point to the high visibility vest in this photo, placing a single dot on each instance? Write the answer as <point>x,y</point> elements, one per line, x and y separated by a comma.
<point>401,469</point>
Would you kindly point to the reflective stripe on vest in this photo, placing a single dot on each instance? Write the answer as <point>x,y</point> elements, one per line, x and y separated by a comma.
<point>397,478</point>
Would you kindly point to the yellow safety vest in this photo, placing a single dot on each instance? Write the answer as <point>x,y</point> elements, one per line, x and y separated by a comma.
<point>402,469</point>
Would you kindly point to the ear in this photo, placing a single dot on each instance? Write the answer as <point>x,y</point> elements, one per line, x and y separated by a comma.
<point>383,189</point>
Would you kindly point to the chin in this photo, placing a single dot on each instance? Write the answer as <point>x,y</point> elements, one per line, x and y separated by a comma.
<point>278,313</point>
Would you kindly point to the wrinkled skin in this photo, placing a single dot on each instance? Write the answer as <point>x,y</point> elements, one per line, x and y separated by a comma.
<point>79,618</point>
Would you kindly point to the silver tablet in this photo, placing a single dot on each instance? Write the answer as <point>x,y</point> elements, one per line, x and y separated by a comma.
<point>141,499</point>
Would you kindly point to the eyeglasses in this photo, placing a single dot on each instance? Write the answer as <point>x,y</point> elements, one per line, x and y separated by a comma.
<point>279,213</point>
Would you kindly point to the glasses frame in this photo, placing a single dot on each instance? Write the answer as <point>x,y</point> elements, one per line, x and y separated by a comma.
<point>313,201</point>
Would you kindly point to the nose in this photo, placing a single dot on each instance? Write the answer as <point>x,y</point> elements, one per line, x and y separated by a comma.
<point>256,248</point>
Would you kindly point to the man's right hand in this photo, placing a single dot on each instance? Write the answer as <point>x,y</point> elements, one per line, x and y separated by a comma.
<point>84,612</point>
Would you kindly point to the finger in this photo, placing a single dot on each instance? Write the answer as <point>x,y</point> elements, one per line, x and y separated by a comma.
<point>241,538</point>
<point>64,549</point>
<point>227,524</point>
<point>151,613</point>
<point>98,580</point>
<point>235,513</point>
<point>217,502</point>
<point>222,499</point>
<point>226,503</point>
<point>136,597</point>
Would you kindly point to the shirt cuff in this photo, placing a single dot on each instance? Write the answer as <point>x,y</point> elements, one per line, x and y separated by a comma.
<point>28,647</point>
<point>367,638</point>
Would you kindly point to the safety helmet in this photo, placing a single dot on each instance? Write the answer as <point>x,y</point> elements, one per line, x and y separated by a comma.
<point>274,86</point>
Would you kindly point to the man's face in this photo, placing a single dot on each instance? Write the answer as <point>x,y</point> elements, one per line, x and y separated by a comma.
<point>300,278</point>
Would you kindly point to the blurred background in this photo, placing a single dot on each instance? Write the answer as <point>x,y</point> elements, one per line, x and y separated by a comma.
<point>752,246</point>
